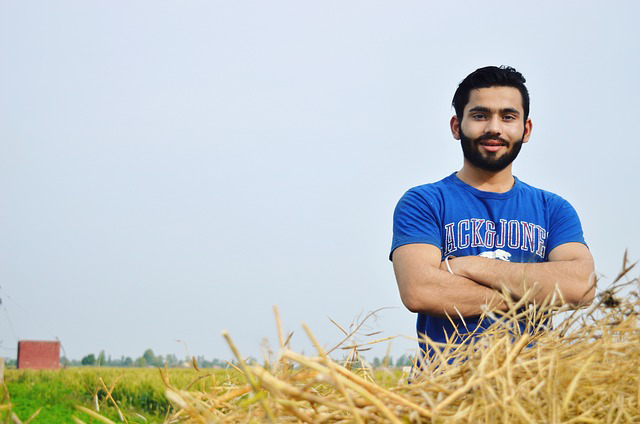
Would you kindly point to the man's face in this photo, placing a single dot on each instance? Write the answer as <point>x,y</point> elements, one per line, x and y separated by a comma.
<point>493,128</point>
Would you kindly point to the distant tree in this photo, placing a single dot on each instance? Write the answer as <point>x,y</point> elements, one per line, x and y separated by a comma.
<point>201,361</point>
<point>387,361</point>
<point>102,359</point>
<point>127,362</point>
<point>172,360</point>
<point>376,362</point>
<point>220,363</point>
<point>404,361</point>
<point>90,359</point>
<point>140,362</point>
<point>158,361</point>
<point>149,356</point>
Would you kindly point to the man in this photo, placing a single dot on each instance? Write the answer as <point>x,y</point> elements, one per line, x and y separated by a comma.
<point>458,242</point>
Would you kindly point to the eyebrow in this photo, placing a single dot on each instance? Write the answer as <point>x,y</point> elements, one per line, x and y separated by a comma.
<point>503,111</point>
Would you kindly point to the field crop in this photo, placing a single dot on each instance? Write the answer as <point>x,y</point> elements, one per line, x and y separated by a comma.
<point>139,392</point>
<point>586,369</point>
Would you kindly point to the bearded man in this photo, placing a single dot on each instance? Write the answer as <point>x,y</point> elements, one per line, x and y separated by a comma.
<point>460,241</point>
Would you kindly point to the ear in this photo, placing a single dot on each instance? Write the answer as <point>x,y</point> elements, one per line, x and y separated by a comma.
<point>528,126</point>
<point>455,127</point>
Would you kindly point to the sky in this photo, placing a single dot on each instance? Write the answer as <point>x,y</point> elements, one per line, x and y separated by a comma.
<point>169,170</point>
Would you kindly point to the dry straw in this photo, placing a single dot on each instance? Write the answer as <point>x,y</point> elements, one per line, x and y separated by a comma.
<point>585,370</point>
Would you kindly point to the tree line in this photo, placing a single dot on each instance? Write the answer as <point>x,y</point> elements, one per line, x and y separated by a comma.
<point>149,359</point>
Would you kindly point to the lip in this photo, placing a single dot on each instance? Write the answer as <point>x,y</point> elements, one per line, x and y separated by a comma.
<point>492,145</point>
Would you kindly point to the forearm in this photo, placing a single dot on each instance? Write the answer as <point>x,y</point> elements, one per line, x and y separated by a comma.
<point>573,278</point>
<point>439,293</point>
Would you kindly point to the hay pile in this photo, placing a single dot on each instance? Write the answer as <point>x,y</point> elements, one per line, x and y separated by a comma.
<point>587,369</point>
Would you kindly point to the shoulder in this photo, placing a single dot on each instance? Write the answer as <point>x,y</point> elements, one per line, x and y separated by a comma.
<point>550,199</point>
<point>424,202</point>
<point>558,209</point>
<point>428,193</point>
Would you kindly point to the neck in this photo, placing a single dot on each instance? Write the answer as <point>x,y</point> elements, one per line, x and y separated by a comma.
<point>497,182</point>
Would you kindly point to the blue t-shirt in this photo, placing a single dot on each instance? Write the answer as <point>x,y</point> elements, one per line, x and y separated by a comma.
<point>522,225</point>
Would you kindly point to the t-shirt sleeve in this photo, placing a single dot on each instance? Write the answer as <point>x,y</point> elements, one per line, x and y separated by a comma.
<point>415,221</point>
<point>565,226</point>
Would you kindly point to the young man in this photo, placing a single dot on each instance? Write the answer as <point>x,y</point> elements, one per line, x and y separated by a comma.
<point>458,242</point>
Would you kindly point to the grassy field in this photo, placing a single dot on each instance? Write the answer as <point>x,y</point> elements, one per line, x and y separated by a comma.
<point>139,392</point>
<point>585,369</point>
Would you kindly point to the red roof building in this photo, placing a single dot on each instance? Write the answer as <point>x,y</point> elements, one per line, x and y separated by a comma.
<point>38,354</point>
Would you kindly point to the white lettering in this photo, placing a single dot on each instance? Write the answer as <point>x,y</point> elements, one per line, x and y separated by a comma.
<point>450,239</point>
<point>528,236</point>
<point>542,247</point>
<point>502,237</point>
<point>514,234</point>
<point>476,225</point>
<point>490,234</point>
<point>463,244</point>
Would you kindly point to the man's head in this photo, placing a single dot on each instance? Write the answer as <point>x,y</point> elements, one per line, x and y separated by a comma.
<point>491,121</point>
<point>490,76</point>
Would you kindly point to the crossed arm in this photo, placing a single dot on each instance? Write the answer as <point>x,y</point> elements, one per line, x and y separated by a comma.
<point>426,286</point>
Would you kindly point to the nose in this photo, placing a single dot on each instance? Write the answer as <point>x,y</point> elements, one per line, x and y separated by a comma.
<point>493,126</point>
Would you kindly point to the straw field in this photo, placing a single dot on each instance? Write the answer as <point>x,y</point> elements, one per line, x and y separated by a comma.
<point>586,369</point>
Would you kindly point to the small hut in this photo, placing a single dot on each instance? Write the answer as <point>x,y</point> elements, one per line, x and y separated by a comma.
<point>38,354</point>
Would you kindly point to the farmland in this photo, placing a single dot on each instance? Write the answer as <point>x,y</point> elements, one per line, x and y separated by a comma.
<point>140,392</point>
<point>585,369</point>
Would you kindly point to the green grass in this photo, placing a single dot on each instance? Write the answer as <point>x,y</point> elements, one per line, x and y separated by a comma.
<point>139,392</point>
<point>136,390</point>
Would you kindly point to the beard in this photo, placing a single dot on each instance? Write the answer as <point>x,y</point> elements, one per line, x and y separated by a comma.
<point>488,161</point>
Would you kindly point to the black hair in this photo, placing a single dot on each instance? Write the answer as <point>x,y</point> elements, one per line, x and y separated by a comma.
<point>490,76</point>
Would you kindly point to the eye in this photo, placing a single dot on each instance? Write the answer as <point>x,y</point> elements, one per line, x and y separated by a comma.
<point>478,116</point>
<point>509,117</point>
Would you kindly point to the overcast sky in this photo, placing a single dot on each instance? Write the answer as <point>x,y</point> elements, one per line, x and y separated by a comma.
<point>170,169</point>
